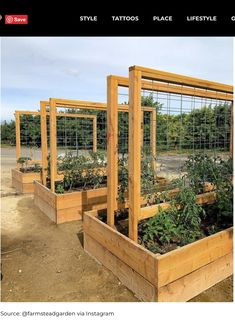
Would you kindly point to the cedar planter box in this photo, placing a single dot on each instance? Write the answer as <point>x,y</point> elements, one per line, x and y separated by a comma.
<point>176,276</point>
<point>67,207</point>
<point>23,182</point>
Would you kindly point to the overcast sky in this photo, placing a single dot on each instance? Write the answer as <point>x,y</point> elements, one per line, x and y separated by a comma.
<point>35,69</point>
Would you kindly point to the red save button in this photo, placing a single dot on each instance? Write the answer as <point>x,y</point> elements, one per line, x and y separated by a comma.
<point>16,19</point>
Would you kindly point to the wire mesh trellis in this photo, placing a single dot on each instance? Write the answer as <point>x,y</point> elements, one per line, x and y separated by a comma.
<point>191,117</point>
<point>79,130</point>
<point>28,137</point>
<point>199,122</point>
<point>76,135</point>
<point>188,125</point>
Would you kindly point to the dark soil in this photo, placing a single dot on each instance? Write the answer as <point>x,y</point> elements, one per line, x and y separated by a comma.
<point>29,170</point>
<point>208,227</point>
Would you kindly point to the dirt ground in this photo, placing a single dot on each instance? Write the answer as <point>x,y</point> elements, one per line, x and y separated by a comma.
<point>45,262</point>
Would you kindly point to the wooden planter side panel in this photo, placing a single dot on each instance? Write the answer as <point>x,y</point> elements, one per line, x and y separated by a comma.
<point>67,207</point>
<point>89,197</point>
<point>45,200</point>
<point>45,208</point>
<point>178,275</point>
<point>71,206</point>
<point>142,288</point>
<point>135,256</point>
<point>193,284</point>
<point>17,185</point>
<point>23,182</point>
<point>187,259</point>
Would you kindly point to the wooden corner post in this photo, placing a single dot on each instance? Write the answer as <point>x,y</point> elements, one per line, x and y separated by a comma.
<point>53,143</point>
<point>43,117</point>
<point>231,133</point>
<point>17,129</point>
<point>134,151</point>
<point>112,148</point>
<point>95,134</point>
<point>153,137</point>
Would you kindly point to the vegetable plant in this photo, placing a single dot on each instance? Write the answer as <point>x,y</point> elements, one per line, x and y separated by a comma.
<point>185,221</point>
<point>81,172</point>
<point>26,167</point>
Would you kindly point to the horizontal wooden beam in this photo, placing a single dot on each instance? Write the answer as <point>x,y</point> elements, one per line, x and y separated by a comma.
<point>192,256</point>
<point>87,105</point>
<point>133,254</point>
<point>156,75</point>
<point>176,89</point>
<point>197,281</point>
<point>26,112</point>
<point>150,211</point>
<point>75,115</point>
<point>58,114</point>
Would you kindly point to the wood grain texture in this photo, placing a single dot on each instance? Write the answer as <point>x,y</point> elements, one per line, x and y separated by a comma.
<point>45,208</point>
<point>112,148</point>
<point>134,153</point>
<point>23,182</point>
<point>197,281</point>
<point>53,144</point>
<point>184,260</point>
<point>132,254</point>
<point>176,89</point>
<point>142,289</point>
<point>45,194</point>
<point>231,133</point>
<point>17,130</point>
<point>43,121</point>
<point>163,76</point>
<point>149,211</point>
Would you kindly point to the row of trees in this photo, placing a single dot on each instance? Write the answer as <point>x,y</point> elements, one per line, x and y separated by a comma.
<point>207,127</point>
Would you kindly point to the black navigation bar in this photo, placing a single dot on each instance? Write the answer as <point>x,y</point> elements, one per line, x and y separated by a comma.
<point>28,18</point>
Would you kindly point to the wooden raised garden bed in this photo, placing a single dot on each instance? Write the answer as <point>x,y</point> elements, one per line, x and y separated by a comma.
<point>69,206</point>
<point>23,182</point>
<point>176,276</point>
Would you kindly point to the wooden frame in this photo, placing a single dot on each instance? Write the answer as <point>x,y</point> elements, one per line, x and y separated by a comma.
<point>61,208</point>
<point>139,79</point>
<point>77,104</point>
<point>69,206</point>
<point>176,276</point>
<point>23,182</point>
<point>44,114</point>
<point>181,85</point>
<point>18,113</point>
<point>136,74</point>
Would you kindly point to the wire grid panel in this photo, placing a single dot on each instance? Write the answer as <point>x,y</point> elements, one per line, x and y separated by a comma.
<point>30,136</point>
<point>75,134</point>
<point>187,125</point>
<point>148,138</point>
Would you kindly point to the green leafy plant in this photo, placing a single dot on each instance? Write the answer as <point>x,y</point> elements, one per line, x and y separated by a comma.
<point>25,167</point>
<point>122,177</point>
<point>201,169</point>
<point>23,161</point>
<point>59,189</point>
<point>185,221</point>
<point>161,227</point>
<point>149,183</point>
<point>82,172</point>
<point>190,213</point>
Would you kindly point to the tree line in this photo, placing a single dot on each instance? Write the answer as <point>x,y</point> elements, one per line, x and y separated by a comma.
<point>203,128</point>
